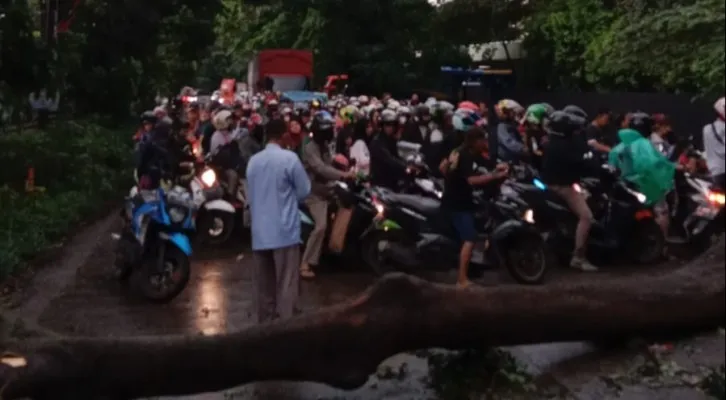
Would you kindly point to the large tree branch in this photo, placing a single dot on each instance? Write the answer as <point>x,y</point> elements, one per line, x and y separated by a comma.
<point>342,345</point>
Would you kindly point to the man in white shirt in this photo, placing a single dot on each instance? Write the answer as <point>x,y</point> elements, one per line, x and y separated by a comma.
<point>713,145</point>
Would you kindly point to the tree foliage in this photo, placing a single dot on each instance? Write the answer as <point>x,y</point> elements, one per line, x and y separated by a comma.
<point>667,45</point>
<point>118,55</point>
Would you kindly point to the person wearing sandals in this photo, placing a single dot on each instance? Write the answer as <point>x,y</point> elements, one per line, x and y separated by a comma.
<point>277,182</point>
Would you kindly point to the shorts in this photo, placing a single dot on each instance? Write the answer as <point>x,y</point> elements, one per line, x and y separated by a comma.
<point>464,225</point>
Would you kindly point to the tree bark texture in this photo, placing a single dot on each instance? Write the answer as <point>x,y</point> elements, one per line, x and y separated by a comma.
<point>341,345</point>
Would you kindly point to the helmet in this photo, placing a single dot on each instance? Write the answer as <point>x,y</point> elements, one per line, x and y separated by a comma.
<point>388,117</point>
<point>341,161</point>
<point>564,124</point>
<point>349,113</point>
<point>286,111</point>
<point>148,117</point>
<point>535,114</point>
<point>423,110</point>
<point>468,105</point>
<point>363,100</point>
<point>431,101</point>
<point>222,120</point>
<point>393,105</point>
<point>641,122</point>
<point>404,110</point>
<point>315,104</point>
<point>719,107</point>
<point>548,107</point>
<point>322,120</point>
<point>463,119</point>
<point>575,110</point>
<point>508,106</point>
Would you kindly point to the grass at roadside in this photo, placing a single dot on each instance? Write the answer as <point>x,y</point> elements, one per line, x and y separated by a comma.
<point>80,166</point>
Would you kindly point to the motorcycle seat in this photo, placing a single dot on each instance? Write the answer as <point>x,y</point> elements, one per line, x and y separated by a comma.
<point>422,204</point>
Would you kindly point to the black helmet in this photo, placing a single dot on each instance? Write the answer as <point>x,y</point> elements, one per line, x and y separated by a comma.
<point>148,117</point>
<point>323,126</point>
<point>575,110</point>
<point>564,123</point>
<point>641,122</point>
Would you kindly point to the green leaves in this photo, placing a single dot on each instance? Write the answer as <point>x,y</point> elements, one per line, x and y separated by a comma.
<point>79,164</point>
<point>679,48</point>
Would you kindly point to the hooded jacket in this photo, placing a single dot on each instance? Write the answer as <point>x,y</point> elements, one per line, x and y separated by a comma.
<point>642,164</point>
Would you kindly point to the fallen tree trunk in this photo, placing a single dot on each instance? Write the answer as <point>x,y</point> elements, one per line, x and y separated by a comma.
<point>343,344</point>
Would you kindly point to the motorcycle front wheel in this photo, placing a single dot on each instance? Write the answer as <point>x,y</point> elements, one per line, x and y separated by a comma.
<point>162,283</point>
<point>525,258</point>
<point>216,227</point>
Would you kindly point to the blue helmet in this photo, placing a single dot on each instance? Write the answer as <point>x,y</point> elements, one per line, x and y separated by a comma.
<point>463,120</point>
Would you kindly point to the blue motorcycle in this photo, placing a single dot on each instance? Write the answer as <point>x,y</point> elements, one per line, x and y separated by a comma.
<point>154,247</point>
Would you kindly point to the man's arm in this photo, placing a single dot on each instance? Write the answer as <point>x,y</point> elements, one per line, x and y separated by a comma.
<point>215,142</point>
<point>595,145</point>
<point>300,179</point>
<point>315,160</point>
<point>475,179</point>
<point>382,155</point>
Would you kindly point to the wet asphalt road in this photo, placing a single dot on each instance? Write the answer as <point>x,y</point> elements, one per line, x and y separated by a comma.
<point>219,299</point>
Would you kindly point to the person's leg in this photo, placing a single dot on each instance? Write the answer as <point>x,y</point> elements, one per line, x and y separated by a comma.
<point>319,212</point>
<point>464,224</point>
<point>287,264</point>
<point>578,204</point>
<point>662,216</point>
<point>266,284</point>
<point>232,180</point>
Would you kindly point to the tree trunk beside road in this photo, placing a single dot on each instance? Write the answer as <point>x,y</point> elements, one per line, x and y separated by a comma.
<point>341,345</point>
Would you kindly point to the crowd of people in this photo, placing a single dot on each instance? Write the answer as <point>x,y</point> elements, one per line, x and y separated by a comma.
<point>288,153</point>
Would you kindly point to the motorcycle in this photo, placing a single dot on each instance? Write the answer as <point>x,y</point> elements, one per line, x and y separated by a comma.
<point>698,212</point>
<point>351,195</point>
<point>216,218</point>
<point>419,180</point>
<point>154,246</point>
<point>624,223</point>
<point>410,231</point>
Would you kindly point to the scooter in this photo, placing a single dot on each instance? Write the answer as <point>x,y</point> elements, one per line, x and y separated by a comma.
<point>216,218</point>
<point>624,223</point>
<point>350,195</point>
<point>411,232</point>
<point>154,246</point>
<point>698,212</point>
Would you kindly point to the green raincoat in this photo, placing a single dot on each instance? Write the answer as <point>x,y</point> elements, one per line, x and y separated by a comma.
<point>642,164</point>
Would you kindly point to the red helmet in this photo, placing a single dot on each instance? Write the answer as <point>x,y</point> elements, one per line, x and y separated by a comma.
<point>468,105</point>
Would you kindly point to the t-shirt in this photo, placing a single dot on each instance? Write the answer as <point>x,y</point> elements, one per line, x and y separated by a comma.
<point>458,193</point>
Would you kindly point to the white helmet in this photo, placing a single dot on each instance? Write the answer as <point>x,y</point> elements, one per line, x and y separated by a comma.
<point>719,107</point>
<point>363,99</point>
<point>222,120</point>
<point>404,110</point>
<point>393,105</point>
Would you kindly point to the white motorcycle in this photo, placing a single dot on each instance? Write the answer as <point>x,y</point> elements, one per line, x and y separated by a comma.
<point>216,218</point>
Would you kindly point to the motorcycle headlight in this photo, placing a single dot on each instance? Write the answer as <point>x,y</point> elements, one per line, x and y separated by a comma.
<point>528,216</point>
<point>177,214</point>
<point>209,177</point>
<point>716,198</point>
